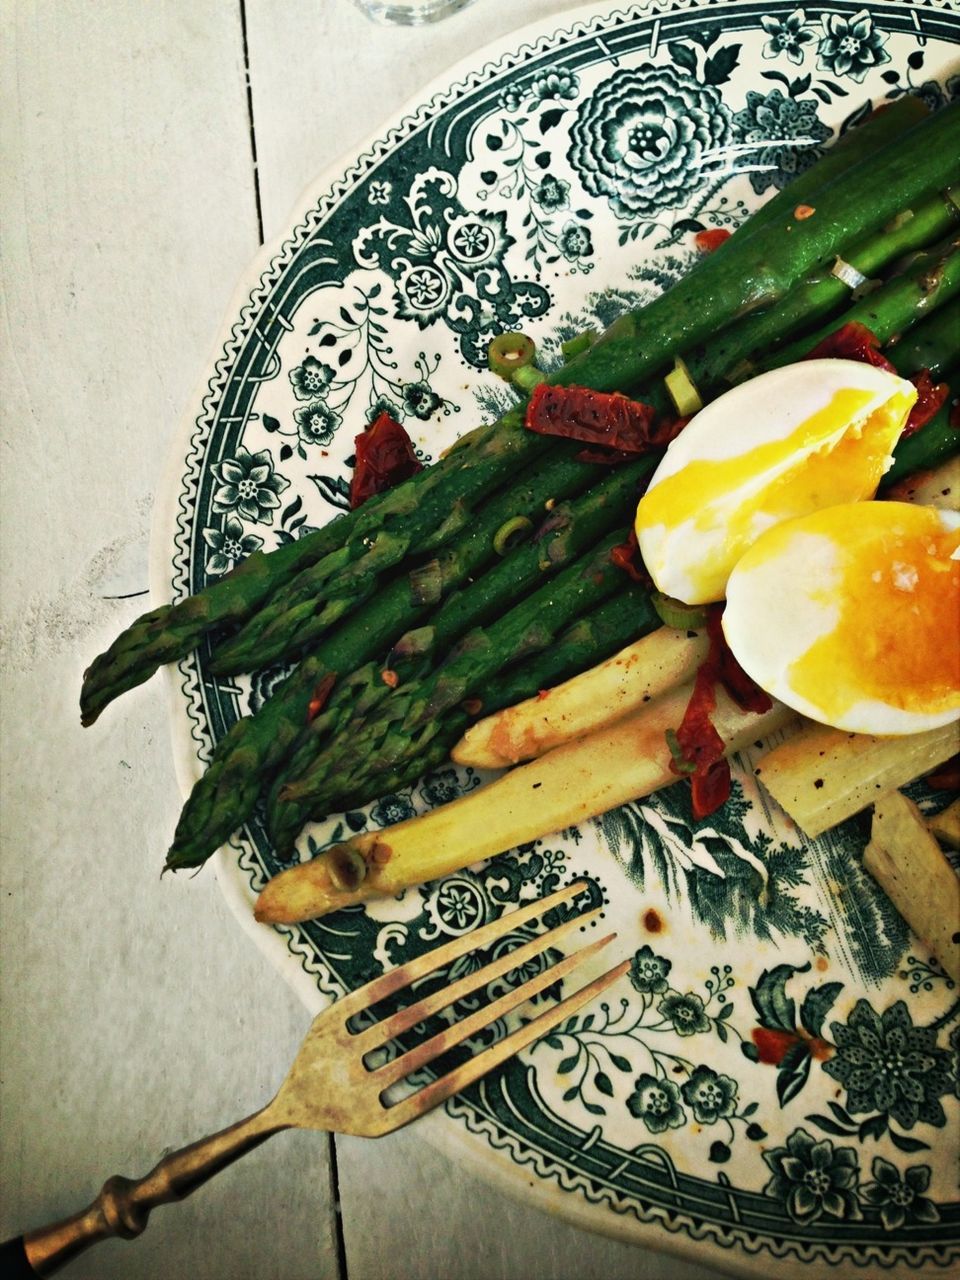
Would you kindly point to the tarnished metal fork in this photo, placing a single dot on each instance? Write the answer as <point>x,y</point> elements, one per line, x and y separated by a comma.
<point>330,1088</point>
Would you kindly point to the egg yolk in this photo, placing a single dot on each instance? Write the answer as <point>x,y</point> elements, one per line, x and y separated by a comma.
<point>775,481</point>
<point>897,585</point>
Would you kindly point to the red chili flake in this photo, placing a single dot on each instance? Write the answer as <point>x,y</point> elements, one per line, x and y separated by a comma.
<point>853,341</point>
<point>712,238</point>
<point>320,695</point>
<point>804,211</point>
<point>698,742</point>
<point>626,556</point>
<point>930,396</point>
<point>595,417</point>
<point>385,456</point>
<point>389,678</point>
<point>543,693</point>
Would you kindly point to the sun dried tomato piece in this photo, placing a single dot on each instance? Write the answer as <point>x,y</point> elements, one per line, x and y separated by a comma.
<point>385,456</point>
<point>697,742</point>
<point>743,689</point>
<point>930,396</point>
<point>594,417</point>
<point>712,238</point>
<point>853,341</point>
<point>946,777</point>
<point>710,790</point>
<point>626,556</point>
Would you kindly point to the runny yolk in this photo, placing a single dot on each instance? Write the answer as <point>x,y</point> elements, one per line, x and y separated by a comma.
<point>780,479</point>
<point>897,636</point>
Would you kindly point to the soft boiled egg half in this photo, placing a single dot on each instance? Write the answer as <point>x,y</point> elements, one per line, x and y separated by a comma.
<point>851,616</point>
<point>788,442</point>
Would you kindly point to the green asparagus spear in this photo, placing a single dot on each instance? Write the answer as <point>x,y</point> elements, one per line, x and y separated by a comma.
<point>757,272</point>
<point>928,447</point>
<point>243,761</point>
<point>818,296</point>
<point>350,773</point>
<point>931,280</point>
<point>617,622</point>
<point>168,633</point>
<point>573,528</point>
<point>171,631</point>
<point>933,345</point>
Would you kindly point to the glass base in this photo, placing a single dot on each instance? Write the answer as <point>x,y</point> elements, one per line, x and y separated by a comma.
<point>409,13</point>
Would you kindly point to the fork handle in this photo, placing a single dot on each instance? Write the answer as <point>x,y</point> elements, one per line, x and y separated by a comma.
<point>123,1206</point>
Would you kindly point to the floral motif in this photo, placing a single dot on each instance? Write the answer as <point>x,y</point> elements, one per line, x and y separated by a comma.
<point>316,422</point>
<point>648,139</point>
<point>851,46</point>
<point>379,192</point>
<point>249,485</point>
<point>441,787</point>
<point>511,98</point>
<point>555,84</point>
<point>391,809</point>
<point>899,1198</point>
<point>788,36</point>
<point>888,1065</point>
<point>656,1103</point>
<point>784,134</point>
<point>552,194</point>
<point>459,905</point>
<point>812,1178</point>
<point>711,1097</point>
<point>686,1012</point>
<point>310,379</point>
<point>574,241</point>
<point>648,972</point>
<point>229,545</point>
<point>447,264</point>
<point>421,400</point>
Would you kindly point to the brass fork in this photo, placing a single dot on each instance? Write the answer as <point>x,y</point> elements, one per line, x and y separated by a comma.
<point>330,1088</point>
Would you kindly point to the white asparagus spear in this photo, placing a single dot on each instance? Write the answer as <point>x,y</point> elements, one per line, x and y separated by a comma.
<point>589,701</point>
<point>566,786</point>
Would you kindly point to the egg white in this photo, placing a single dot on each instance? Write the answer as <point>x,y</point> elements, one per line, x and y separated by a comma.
<point>689,557</point>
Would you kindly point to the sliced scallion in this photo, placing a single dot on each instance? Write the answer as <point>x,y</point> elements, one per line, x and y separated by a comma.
<point>510,533</point>
<point>682,389</point>
<point>509,352</point>
<point>674,613</point>
<point>681,764</point>
<point>528,377</point>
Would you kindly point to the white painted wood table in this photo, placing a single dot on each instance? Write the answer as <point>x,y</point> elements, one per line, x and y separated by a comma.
<point>148,147</point>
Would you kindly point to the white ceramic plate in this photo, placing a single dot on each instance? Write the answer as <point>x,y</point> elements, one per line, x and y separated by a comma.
<point>776,1077</point>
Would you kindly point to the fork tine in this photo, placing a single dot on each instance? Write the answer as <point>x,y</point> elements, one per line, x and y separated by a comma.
<point>421,1054</point>
<point>404,1019</point>
<point>469,1072</point>
<point>389,983</point>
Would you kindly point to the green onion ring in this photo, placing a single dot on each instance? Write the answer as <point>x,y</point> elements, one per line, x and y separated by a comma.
<point>509,352</point>
<point>674,613</point>
<point>510,533</point>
